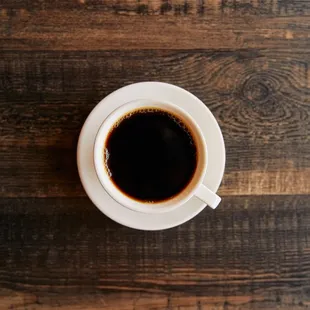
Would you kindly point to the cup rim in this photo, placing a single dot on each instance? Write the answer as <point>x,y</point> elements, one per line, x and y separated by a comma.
<point>106,182</point>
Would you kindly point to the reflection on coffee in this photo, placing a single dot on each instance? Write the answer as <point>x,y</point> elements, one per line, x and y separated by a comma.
<point>150,155</point>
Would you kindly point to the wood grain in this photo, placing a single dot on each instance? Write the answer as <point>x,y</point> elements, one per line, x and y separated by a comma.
<point>253,252</point>
<point>153,24</point>
<point>260,98</point>
<point>174,7</point>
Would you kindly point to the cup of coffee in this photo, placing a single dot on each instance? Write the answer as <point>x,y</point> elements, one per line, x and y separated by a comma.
<point>151,157</point>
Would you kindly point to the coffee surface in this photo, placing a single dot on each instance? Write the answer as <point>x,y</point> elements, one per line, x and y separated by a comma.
<point>151,155</point>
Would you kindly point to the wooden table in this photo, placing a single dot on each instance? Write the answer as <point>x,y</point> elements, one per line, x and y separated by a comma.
<point>249,61</point>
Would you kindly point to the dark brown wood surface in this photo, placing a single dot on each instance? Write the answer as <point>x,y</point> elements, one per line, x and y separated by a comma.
<point>249,61</point>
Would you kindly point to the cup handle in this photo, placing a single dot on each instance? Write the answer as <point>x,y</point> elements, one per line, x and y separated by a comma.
<point>207,196</point>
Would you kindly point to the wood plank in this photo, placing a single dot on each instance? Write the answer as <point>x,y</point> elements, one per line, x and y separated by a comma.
<point>98,25</point>
<point>251,253</point>
<point>52,172</point>
<point>172,7</point>
<point>260,98</point>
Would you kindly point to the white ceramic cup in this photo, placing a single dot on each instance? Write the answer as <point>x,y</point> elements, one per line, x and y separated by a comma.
<point>195,186</point>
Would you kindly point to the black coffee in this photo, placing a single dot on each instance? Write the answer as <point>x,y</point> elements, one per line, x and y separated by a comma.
<point>151,155</point>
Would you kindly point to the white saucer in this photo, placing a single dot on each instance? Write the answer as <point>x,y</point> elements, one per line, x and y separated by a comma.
<point>159,92</point>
